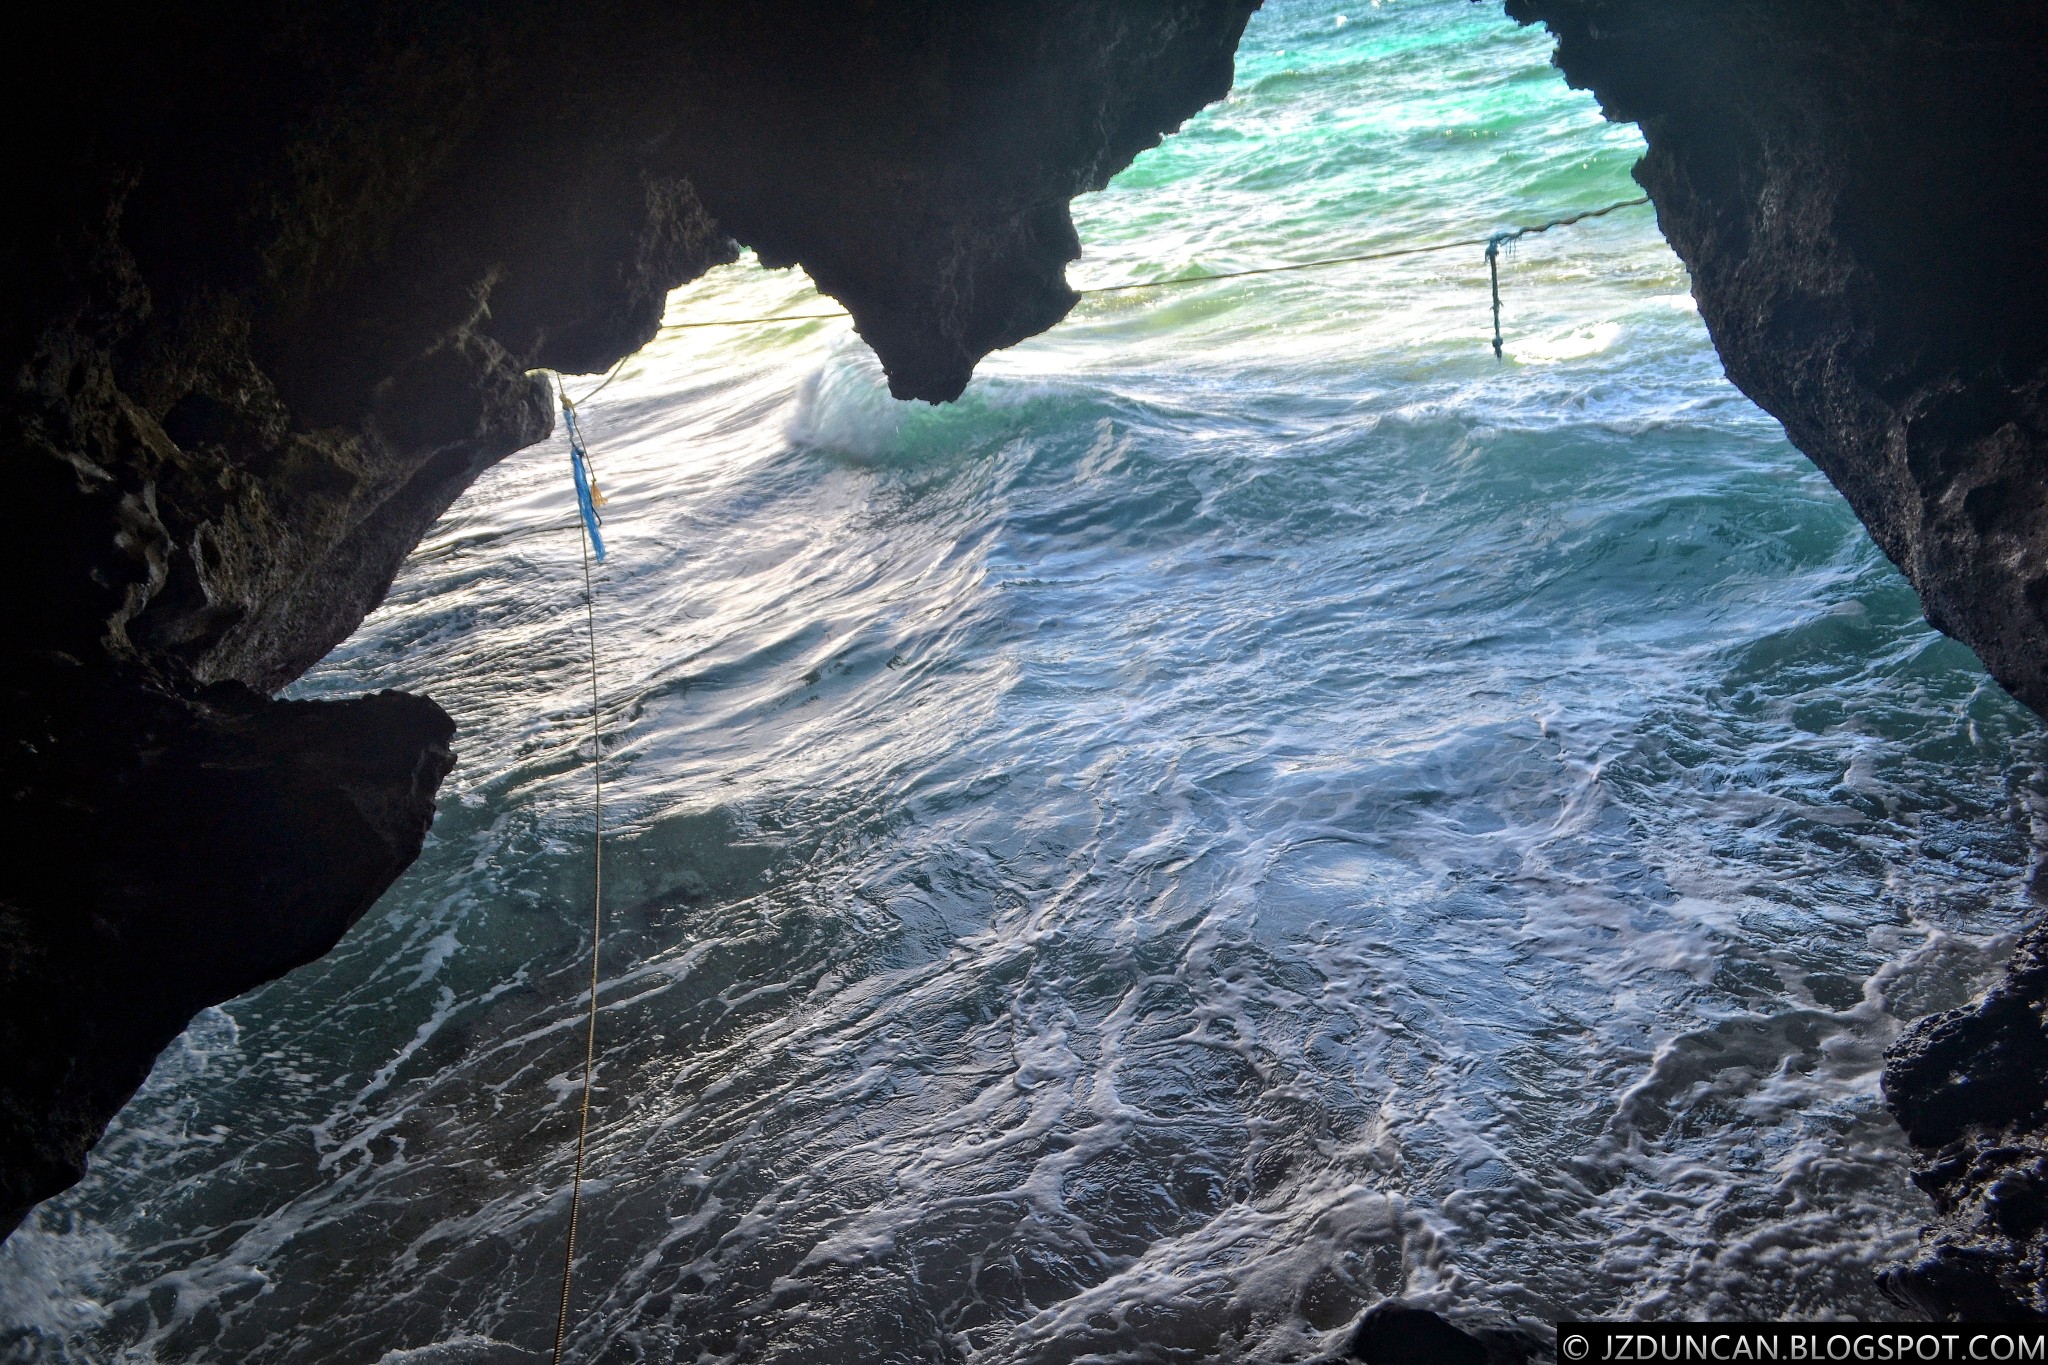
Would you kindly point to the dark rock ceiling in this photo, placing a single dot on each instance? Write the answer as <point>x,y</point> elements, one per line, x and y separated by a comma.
<point>286,273</point>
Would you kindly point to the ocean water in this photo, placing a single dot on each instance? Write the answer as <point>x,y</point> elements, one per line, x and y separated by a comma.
<point>1257,808</point>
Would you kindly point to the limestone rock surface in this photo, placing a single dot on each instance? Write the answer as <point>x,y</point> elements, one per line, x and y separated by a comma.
<point>1861,194</point>
<point>1970,1087</point>
<point>280,293</point>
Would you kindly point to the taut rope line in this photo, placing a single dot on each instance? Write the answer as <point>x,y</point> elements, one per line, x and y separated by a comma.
<point>585,488</point>
<point>1501,239</point>
<point>609,376</point>
<point>1492,244</point>
<point>589,499</point>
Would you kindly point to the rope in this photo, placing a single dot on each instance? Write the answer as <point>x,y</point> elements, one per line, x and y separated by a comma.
<point>596,928</point>
<point>1492,245</point>
<point>609,376</point>
<point>1493,272</point>
<point>586,488</point>
<point>1501,239</point>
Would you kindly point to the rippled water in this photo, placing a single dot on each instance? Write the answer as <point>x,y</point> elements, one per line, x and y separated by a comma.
<point>1255,809</point>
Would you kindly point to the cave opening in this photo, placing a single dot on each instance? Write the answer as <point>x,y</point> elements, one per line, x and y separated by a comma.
<point>1253,810</point>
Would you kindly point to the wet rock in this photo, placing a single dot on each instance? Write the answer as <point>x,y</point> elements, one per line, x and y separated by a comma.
<point>284,292</point>
<point>1395,1333</point>
<point>1860,194</point>
<point>173,852</point>
<point>278,301</point>
<point>1970,1088</point>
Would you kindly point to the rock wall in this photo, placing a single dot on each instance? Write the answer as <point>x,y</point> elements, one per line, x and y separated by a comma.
<point>285,280</point>
<point>287,270</point>
<point>1970,1087</point>
<point>179,851</point>
<point>1861,193</point>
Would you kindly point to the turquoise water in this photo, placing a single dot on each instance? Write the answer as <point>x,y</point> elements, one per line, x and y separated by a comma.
<point>1255,809</point>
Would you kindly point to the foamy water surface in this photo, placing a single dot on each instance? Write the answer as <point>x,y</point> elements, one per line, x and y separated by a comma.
<point>1255,809</point>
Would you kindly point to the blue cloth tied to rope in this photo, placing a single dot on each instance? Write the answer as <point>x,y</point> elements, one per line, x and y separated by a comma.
<point>579,464</point>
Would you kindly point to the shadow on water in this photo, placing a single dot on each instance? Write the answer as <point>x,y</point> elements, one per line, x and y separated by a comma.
<point>1255,809</point>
